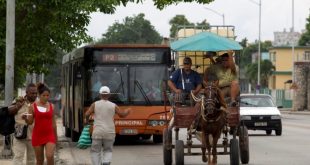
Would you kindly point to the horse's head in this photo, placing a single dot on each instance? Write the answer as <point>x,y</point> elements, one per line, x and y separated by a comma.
<point>210,102</point>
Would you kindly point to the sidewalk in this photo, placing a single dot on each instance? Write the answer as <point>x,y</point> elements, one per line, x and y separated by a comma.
<point>4,160</point>
<point>289,111</point>
<point>59,154</point>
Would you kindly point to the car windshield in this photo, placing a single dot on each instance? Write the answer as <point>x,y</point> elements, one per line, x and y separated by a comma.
<point>256,101</point>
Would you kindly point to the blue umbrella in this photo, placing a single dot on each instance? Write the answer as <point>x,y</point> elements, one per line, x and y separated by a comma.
<point>205,41</point>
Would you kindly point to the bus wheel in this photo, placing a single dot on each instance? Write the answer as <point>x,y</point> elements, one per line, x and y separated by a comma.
<point>157,138</point>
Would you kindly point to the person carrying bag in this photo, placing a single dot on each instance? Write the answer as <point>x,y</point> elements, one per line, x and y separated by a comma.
<point>85,138</point>
<point>21,131</point>
<point>22,135</point>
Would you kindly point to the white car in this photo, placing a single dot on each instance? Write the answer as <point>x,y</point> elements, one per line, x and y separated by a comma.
<point>259,112</point>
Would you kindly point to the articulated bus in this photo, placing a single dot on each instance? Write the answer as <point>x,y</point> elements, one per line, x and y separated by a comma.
<point>136,75</point>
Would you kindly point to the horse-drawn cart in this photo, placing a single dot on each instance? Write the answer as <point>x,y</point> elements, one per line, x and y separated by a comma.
<point>183,117</point>
<point>233,134</point>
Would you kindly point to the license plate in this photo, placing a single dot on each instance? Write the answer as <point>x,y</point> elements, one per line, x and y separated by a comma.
<point>129,132</point>
<point>260,124</point>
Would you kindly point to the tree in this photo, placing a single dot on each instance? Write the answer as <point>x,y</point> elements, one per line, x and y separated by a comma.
<point>133,30</point>
<point>175,22</point>
<point>44,27</point>
<point>180,21</point>
<point>249,49</point>
<point>244,42</point>
<point>53,78</point>
<point>305,37</point>
<point>266,71</point>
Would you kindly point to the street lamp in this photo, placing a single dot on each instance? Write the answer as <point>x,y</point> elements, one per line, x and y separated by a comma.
<point>293,44</point>
<point>222,15</point>
<point>259,49</point>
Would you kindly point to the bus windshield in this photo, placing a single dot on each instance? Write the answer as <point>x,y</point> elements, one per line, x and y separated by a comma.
<point>131,84</point>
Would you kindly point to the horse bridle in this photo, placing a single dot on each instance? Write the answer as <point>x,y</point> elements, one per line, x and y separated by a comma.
<point>204,101</point>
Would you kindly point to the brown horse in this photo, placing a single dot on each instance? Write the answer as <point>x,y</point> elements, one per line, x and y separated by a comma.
<point>212,119</point>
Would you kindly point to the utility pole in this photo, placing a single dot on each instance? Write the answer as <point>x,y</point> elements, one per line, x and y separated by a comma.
<point>259,45</point>
<point>9,67</point>
<point>9,58</point>
<point>293,44</point>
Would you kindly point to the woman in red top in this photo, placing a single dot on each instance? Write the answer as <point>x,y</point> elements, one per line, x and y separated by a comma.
<point>44,135</point>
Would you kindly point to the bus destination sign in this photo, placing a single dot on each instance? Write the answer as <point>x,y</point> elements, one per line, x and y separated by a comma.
<point>129,57</point>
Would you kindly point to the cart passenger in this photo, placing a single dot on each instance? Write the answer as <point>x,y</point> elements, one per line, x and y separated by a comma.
<point>227,72</point>
<point>182,82</point>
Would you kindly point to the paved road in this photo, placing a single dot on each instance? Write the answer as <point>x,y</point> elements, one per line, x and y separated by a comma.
<point>292,148</point>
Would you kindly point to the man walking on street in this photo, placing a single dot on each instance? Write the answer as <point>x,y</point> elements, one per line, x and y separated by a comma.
<point>20,107</point>
<point>103,135</point>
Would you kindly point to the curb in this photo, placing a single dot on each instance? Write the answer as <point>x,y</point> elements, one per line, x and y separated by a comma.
<point>289,111</point>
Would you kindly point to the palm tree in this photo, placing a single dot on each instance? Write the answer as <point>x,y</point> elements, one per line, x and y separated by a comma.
<point>266,70</point>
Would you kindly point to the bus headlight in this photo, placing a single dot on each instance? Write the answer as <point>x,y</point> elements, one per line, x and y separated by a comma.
<point>161,123</point>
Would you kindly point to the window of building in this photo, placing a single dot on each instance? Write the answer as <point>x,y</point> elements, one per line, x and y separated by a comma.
<point>307,56</point>
<point>273,56</point>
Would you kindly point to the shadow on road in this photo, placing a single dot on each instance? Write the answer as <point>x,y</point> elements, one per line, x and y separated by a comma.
<point>133,140</point>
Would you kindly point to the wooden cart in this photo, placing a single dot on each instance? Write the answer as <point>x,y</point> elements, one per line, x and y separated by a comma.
<point>183,118</point>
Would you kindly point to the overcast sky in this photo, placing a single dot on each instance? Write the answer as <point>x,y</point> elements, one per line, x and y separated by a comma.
<point>276,15</point>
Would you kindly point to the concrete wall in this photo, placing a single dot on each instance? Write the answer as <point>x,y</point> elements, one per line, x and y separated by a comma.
<point>301,100</point>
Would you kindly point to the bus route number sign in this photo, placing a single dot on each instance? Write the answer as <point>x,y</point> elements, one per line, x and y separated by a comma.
<point>129,57</point>
<point>110,57</point>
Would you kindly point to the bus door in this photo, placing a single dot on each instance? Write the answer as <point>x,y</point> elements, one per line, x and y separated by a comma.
<point>78,96</point>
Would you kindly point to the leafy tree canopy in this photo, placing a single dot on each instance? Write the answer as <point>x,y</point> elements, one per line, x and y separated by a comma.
<point>175,22</point>
<point>305,37</point>
<point>45,26</point>
<point>249,49</point>
<point>133,30</point>
<point>266,67</point>
<point>180,21</point>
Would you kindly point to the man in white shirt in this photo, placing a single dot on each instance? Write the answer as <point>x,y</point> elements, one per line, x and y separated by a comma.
<point>103,135</point>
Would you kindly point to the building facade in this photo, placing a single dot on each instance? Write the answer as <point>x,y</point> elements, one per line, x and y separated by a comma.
<point>282,58</point>
<point>286,38</point>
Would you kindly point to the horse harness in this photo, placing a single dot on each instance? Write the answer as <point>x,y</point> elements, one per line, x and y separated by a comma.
<point>211,101</point>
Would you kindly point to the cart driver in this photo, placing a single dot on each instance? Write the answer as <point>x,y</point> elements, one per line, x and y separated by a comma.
<point>182,82</point>
<point>227,72</point>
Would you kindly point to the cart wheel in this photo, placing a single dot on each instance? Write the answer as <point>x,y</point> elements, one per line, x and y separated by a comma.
<point>167,146</point>
<point>179,152</point>
<point>234,152</point>
<point>244,144</point>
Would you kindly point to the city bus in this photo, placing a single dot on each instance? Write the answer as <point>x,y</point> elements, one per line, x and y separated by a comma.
<point>136,74</point>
